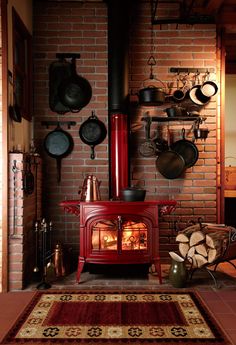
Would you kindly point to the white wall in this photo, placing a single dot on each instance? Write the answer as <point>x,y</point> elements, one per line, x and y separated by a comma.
<point>230,120</point>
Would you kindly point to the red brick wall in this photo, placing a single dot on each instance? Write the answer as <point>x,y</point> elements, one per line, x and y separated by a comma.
<point>82,27</point>
<point>185,46</point>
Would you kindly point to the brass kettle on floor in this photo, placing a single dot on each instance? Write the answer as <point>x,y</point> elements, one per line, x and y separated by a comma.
<point>59,261</point>
<point>90,190</point>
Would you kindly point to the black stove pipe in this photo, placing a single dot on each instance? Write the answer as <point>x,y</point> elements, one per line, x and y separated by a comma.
<point>118,95</point>
<point>118,50</point>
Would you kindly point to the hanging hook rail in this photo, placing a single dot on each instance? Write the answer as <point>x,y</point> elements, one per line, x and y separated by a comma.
<point>56,123</point>
<point>191,70</point>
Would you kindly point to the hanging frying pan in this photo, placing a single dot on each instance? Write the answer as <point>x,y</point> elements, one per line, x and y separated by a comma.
<point>147,148</point>
<point>92,132</point>
<point>58,144</point>
<point>170,163</point>
<point>75,92</point>
<point>196,95</point>
<point>187,149</point>
<point>209,88</point>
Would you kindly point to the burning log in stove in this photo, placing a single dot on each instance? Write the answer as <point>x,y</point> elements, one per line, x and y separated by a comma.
<point>207,244</point>
<point>105,235</point>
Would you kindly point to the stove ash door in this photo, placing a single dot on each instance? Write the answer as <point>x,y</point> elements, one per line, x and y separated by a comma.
<point>119,235</point>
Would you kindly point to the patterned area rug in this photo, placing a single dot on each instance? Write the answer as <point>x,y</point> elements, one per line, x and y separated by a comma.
<point>116,317</point>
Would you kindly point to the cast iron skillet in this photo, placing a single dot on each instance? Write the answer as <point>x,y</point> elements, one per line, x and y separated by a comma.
<point>75,92</point>
<point>170,163</point>
<point>187,149</point>
<point>58,144</point>
<point>92,132</point>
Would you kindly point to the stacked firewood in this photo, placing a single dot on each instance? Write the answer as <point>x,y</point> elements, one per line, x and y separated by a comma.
<point>203,243</point>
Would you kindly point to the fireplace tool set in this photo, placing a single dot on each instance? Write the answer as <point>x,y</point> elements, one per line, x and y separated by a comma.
<point>47,261</point>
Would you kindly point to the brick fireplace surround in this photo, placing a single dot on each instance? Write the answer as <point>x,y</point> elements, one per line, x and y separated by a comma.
<point>82,27</point>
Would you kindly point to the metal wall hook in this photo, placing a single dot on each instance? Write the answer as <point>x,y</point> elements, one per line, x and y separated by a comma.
<point>152,61</point>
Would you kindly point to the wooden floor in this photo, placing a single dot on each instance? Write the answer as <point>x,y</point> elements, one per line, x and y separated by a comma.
<point>220,299</point>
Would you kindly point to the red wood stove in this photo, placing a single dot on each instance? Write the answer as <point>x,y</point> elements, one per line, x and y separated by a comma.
<point>119,232</point>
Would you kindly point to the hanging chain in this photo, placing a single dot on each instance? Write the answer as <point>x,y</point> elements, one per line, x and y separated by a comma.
<point>151,60</point>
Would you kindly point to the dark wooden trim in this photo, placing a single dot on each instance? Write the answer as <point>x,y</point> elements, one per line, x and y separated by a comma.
<point>4,146</point>
<point>21,34</point>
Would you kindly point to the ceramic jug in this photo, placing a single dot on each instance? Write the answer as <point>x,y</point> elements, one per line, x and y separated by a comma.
<point>178,274</point>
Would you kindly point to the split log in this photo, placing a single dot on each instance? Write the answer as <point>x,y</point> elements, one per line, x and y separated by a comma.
<point>192,260</point>
<point>191,252</point>
<point>203,244</point>
<point>212,255</point>
<point>181,237</point>
<point>201,249</point>
<point>184,235</point>
<point>196,238</point>
<point>216,239</point>
<point>183,249</point>
<point>201,261</point>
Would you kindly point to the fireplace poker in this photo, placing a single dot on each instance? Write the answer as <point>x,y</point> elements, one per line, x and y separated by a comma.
<point>36,187</point>
<point>44,284</point>
<point>36,230</point>
<point>50,267</point>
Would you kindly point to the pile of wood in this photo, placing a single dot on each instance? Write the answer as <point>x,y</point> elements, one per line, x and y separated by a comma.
<point>203,244</point>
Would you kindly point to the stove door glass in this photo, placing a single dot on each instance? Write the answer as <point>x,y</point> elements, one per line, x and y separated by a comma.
<point>134,236</point>
<point>104,235</point>
<point>119,234</point>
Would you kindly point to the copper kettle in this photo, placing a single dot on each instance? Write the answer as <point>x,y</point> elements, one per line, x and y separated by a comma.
<point>90,190</point>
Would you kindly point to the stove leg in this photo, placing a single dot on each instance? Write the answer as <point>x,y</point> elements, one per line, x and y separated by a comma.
<point>80,268</point>
<point>157,265</point>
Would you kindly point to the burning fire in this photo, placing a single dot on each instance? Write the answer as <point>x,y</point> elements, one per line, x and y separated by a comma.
<point>105,235</point>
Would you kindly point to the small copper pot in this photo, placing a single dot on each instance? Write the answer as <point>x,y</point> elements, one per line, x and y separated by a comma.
<point>201,133</point>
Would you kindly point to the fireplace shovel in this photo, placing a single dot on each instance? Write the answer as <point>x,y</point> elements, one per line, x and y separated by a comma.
<point>50,267</point>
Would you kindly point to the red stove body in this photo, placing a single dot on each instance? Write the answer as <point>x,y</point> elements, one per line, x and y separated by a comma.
<point>119,232</point>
